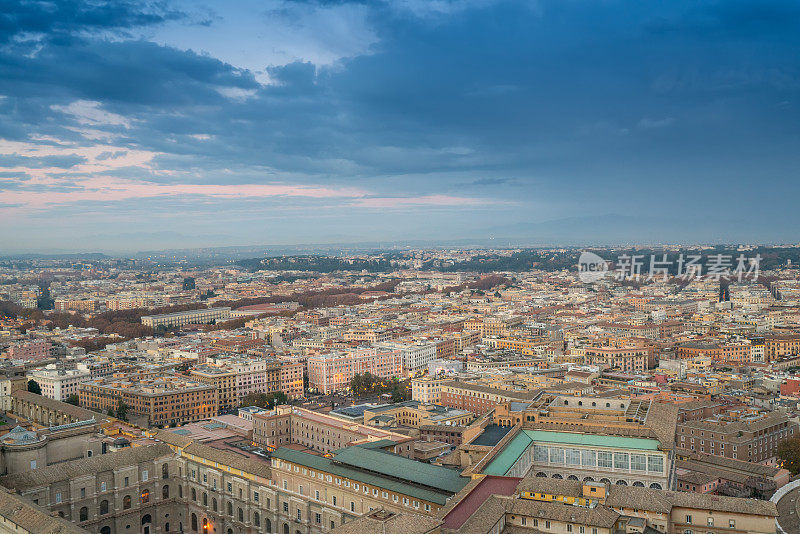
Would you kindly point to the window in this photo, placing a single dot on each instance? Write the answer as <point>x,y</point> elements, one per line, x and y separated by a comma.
<point>286,507</point>
<point>655,464</point>
<point>710,521</point>
<point>230,487</point>
<point>194,494</point>
<point>230,509</point>
<point>126,502</point>
<point>205,499</point>
<point>318,519</point>
<point>165,492</point>
<point>102,486</point>
<point>573,457</point>
<point>569,528</point>
<point>256,519</point>
<point>334,500</point>
<point>316,495</point>
<point>58,497</point>
<point>83,493</point>
<point>126,482</point>
<point>214,504</point>
<point>732,523</point>
<point>165,471</point>
<point>299,514</point>
<point>103,507</point>
<point>638,462</point>
<point>145,496</point>
<point>145,476</point>
<point>621,460</point>
<point>352,506</point>
<point>588,458</point>
<point>603,459</point>
<point>241,514</point>
<point>33,464</point>
<point>255,496</point>
<point>689,519</point>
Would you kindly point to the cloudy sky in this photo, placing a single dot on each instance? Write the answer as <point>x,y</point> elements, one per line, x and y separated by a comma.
<point>157,125</point>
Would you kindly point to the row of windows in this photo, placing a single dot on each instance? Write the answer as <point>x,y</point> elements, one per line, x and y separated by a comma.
<point>597,458</point>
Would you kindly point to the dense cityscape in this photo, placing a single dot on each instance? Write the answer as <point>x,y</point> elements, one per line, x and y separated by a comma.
<point>399,267</point>
<point>392,390</point>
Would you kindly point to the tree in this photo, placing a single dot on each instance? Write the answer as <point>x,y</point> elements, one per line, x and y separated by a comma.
<point>110,412</point>
<point>33,387</point>
<point>73,399</point>
<point>789,454</point>
<point>122,410</point>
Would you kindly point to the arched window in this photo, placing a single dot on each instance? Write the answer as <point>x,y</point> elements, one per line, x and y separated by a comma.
<point>145,496</point>
<point>194,523</point>
<point>165,492</point>
<point>268,524</point>
<point>285,528</point>
<point>126,502</point>
<point>230,509</point>
<point>205,525</point>
<point>194,494</point>
<point>241,515</point>
<point>621,482</point>
<point>83,515</point>
<point>205,499</point>
<point>105,530</point>
<point>166,527</point>
<point>103,507</point>
<point>147,519</point>
<point>165,471</point>
<point>655,485</point>
<point>557,476</point>
<point>256,519</point>
<point>214,504</point>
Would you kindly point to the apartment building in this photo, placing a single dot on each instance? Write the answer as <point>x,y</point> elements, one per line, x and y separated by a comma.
<point>59,384</point>
<point>415,356</point>
<point>153,401</point>
<point>748,436</point>
<point>332,372</point>
<point>630,358</point>
<point>222,378</point>
<point>83,306</point>
<point>201,316</point>
<point>777,346</point>
<point>428,388</point>
<point>34,350</point>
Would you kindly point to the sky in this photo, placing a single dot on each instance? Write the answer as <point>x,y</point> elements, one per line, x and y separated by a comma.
<point>136,125</point>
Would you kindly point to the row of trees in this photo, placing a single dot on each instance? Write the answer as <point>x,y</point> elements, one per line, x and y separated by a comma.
<point>265,400</point>
<point>369,384</point>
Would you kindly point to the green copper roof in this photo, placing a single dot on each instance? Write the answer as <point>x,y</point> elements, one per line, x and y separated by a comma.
<point>591,440</point>
<point>383,470</point>
<point>510,454</point>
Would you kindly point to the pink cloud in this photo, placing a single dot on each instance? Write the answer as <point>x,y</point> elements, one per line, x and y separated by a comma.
<point>425,200</point>
<point>103,188</point>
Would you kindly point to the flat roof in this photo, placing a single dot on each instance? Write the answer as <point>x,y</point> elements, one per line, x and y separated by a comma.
<point>491,435</point>
<point>595,440</point>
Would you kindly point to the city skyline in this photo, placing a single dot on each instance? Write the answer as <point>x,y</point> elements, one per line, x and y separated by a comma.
<point>170,125</point>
